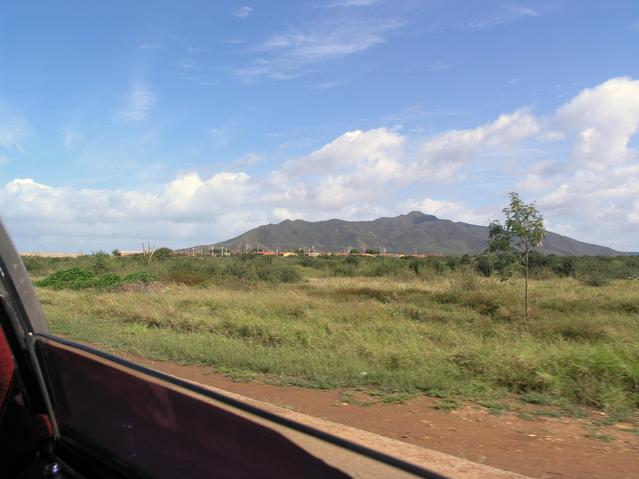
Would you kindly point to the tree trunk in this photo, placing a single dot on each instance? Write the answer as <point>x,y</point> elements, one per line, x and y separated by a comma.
<point>526,286</point>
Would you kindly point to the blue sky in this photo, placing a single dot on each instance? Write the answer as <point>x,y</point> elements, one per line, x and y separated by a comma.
<point>189,122</point>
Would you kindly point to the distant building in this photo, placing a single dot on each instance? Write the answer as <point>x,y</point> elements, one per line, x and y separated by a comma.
<point>53,255</point>
<point>129,253</point>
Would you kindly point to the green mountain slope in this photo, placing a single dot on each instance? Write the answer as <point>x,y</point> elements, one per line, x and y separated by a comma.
<point>412,232</point>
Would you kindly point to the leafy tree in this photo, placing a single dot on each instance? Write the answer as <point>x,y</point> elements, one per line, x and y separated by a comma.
<point>163,253</point>
<point>522,231</point>
<point>116,252</point>
<point>485,265</point>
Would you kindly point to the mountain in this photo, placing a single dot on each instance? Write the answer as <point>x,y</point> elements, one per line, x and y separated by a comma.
<point>412,232</point>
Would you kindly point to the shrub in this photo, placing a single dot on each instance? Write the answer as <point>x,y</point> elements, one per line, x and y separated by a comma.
<point>485,265</point>
<point>465,280</point>
<point>38,264</point>
<point>383,267</point>
<point>570,328</point>
<point>289,275</point>
<point>344,269</point>
<point>163,253</point>
<point>105,281</point>
<point>78,278</point>
<point>189,278</point>
<point>594,278</point>
<point>72,278</point>
<point>101,262</point>
<point>140,277</point>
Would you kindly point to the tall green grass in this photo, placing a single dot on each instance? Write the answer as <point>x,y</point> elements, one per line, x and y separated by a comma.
<point>450,334</point>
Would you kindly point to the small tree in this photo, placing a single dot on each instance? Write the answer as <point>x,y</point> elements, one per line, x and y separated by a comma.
<point>522,231</point>
<point>163,253</point>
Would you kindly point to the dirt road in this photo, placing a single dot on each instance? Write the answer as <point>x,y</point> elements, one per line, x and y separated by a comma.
<point>544,447</point>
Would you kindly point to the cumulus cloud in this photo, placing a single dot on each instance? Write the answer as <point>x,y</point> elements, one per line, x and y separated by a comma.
<point>598,194</point>
<point>540,176</point>
<point>367,149</point>
<point>188,207</point>
<point>606,117</point>
<point>188,198</point>
<point>249,159</point>
<point>450,210</point>
<point>367,173</point>
<point>354,167</point>
<point>443,155</point>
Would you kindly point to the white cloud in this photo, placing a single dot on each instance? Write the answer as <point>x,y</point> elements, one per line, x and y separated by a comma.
<point>330,40</point>
<point>13,132</point>
<point>443,155</point>
<point>187,205</point>
<point>354,3</point>
<point>366,173</point>
<point>606,117</point>
<point>354,168</point>
<point>250,159</point>
<point>287,55</point>
<point>598,194</point>
<point>325,85</point>
<point>242,12</point>
<point>221,136</point>
<point>71,137</point>
<point>138,104</point>
<point>502,15</point>
<point>552,135</point>
<point>450,210</point>
<point>365,149</point>
<point>541,176</point>
<point>149,46</point>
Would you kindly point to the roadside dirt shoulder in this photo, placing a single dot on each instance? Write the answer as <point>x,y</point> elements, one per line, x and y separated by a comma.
<point>545,447</point>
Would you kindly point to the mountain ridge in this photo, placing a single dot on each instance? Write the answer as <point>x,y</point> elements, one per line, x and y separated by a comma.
<point>414,232</point>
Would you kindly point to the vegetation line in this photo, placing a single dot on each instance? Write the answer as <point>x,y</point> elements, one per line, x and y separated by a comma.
<point>448,327</point>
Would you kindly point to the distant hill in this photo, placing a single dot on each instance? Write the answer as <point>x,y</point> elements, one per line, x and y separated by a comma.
<point>412,232</point>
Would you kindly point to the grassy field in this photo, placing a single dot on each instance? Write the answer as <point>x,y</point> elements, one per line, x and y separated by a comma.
<point>451,333</point>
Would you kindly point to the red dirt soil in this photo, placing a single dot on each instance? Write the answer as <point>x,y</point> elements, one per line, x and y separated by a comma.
<point>545,447</point>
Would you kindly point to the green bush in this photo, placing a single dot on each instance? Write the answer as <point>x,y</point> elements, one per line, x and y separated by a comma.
<point>106,281</point>
<point>78,278</point>
<point>163,253</point>
<point>38,264</point>
<point>594,278</point>
<point>570,328</point>
<point>140,277</point>
<point>189,278</point>
<point>72,278</point>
